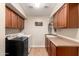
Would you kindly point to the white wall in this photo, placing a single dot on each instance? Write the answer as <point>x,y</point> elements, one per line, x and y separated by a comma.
<point>37,32</point>
<point>11,31</point>
<point>72,34</point>
<point>2,29</point>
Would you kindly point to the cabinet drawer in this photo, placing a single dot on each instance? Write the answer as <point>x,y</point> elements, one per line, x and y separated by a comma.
<point>8,21</point>
<point>67,51</point>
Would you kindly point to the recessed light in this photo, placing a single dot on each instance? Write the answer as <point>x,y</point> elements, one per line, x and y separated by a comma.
<point>30,6</point>
<point>37,5</point>
<point>45,6</point>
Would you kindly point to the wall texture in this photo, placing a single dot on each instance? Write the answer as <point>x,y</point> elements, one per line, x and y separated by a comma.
<point>2,29</point>
<point>37,32</point>
<point>72,34</point>
<point>11,31</point>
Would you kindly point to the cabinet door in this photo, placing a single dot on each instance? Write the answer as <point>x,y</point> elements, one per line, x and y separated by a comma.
<point>46,43</point>
<point>53,49</point>
<point>73,15</point>
<point>49,52</point>
<point>19,22</point>
<point>8,22</point>
<point>14,19</point>
<point>59,19</point>
<point>55,17</point>
<point>78,51</point>
<point>22,23</point>
<point>62,17</point>
<point>78,16</point>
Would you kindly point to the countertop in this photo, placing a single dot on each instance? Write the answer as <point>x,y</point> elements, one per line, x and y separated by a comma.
<point>59,41</point>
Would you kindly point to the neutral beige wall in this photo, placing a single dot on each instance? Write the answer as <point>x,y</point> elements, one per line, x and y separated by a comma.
<point>12,31</point>
<point>2,29</point>
<point>37,32</point>
<point>72,34</point>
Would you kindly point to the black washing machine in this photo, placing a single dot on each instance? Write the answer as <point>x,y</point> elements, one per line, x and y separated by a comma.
<point>17,46</point>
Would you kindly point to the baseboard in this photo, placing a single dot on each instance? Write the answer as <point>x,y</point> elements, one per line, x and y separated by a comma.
<point>37,46</point>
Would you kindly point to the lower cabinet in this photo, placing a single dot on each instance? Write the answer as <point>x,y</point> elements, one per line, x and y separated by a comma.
<point>48,48</point>
<point>78,51</point>
<point>67,51</point>
<point>54,50</point>
<point>46,44</point>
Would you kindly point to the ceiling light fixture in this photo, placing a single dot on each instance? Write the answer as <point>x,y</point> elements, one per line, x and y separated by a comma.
<point>37,5</point>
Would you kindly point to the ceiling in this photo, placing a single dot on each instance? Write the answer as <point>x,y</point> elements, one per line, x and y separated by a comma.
<point>45,9</point>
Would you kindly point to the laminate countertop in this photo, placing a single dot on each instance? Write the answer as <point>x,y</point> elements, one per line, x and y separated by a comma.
<point>58,41</point>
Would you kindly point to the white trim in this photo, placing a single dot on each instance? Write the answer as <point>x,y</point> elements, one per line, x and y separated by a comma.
<point>38,46</point>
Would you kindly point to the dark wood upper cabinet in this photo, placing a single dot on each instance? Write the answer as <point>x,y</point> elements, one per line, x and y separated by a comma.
<point>8,21</point>
<point>14,20</point>
<point>55,20</point>
<point>20,22</point>
<point>67,16</point>
<point>61,20</point>
<point>73,15</point>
